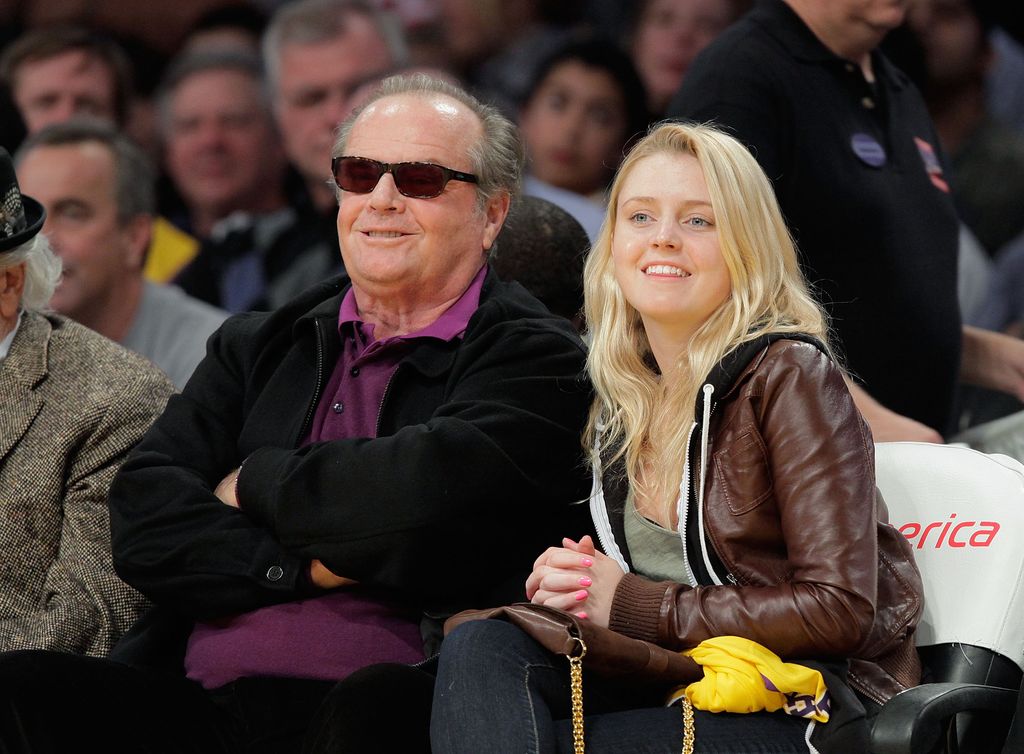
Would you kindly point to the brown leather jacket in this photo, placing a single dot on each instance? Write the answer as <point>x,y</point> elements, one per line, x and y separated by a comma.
<point>800,555</point>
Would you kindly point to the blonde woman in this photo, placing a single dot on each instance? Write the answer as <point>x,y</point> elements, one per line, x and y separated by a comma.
<point>734,485</point>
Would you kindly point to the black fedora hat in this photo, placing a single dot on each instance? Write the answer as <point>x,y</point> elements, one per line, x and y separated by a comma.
<point>21,217</point>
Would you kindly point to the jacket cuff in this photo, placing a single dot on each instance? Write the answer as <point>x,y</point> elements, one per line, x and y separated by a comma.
<point>636,607</point>
<point>256,481</point>
<point>238,499</point>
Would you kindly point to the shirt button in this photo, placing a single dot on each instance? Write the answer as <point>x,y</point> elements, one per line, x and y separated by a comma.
<point>274,573</point>
<point>849,67</point>
<point>354,371</point>
<point>868,103</point>
<point>338,407</point>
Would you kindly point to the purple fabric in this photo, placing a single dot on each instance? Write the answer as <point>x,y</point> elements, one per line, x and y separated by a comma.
<point>323,638</point>
<point>330,636</point>
<point>352,398</point>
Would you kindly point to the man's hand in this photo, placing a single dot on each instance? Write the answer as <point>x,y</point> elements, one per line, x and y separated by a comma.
<point>887,425</point>
<point>322,577</point>
<point>319,574</point>
<point>993,360</point>
<point>226,489</point>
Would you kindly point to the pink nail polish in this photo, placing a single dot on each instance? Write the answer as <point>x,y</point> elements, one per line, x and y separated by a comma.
<point>581,595</point>
<point>581,615</point>
<point>587,562</point>
<point>586,581</point>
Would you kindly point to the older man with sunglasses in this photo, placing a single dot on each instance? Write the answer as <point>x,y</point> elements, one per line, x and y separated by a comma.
<point>342,474</point>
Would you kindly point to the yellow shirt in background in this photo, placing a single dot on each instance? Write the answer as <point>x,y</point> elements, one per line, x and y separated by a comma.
<point>169,251</point>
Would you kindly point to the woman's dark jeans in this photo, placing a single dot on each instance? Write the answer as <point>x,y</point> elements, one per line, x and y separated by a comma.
<point>499,692</point>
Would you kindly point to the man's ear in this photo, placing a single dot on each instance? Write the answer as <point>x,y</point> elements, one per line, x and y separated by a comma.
<point>12,285</point>
<point>137,234</point>
<point>496,211</point>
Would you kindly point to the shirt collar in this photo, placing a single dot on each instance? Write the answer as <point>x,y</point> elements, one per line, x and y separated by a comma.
<point>450,325</point>
<point>783,23</point>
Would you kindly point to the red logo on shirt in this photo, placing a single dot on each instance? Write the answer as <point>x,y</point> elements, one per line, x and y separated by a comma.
<point>931,164</point>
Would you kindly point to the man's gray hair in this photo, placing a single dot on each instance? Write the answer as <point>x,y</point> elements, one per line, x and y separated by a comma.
<point>42,271</point>
<point>190,64</point>
<point>313,21</point>
<point>497,157</point>
<point>134,175</point>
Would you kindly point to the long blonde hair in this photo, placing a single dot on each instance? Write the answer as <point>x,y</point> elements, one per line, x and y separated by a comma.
<point>636,414</point>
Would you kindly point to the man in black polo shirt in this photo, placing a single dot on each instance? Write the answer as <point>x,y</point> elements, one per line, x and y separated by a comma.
<point>848,143</point>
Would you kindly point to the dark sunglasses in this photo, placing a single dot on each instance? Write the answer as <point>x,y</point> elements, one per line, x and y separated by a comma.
<point>419,180</point>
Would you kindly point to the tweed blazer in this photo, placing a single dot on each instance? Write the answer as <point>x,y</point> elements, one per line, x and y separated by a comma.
<point>72,404</point>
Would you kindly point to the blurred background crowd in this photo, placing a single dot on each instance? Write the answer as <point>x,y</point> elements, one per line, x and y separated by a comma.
<point>230,108</point>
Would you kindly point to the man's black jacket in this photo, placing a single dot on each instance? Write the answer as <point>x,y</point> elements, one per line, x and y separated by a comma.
<point>476,463</point>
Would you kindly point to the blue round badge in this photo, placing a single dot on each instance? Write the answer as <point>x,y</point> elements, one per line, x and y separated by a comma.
<point>868,150</point>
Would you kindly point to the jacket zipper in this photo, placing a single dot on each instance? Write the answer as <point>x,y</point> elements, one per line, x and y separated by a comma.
<point>319,382</point>
<point>709,408</point>
<point>602,524</point>
<point>384,397</point>
<point>598,508</point>
<point>682,508</point>
<point>599,513</point>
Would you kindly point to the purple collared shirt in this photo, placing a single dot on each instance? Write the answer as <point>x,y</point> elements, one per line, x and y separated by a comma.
<point>353,396</point>
<point>330,636</point>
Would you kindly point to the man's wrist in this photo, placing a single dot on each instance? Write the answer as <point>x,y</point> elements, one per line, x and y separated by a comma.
<point>238,475</point>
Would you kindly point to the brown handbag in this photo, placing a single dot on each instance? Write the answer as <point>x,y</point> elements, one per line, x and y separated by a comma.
<point>608,653</point>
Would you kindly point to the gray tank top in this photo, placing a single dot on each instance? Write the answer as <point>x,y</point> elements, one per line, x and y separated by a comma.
<point>656,552</point>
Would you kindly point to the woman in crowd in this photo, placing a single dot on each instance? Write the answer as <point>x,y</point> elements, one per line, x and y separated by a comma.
<point>734,484</point>
<point>668,34</point>
<point>585,103</point>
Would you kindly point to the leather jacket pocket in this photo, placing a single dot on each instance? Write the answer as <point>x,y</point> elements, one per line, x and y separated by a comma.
<point>742,473</point>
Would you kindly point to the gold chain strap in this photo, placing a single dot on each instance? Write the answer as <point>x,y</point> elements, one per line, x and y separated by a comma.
<point>576,688</point>
<point>688,734</point>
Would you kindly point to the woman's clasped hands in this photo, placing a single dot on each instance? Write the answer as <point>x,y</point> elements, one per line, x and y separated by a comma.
<point>577,578</point>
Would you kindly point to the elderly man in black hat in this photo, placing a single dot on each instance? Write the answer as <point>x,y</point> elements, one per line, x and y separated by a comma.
<point>72,404</point>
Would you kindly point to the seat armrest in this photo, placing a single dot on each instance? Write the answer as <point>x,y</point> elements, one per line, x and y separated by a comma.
<point>915,720</point>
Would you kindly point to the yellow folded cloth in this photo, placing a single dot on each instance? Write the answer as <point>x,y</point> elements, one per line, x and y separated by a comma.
<point>740,675</point>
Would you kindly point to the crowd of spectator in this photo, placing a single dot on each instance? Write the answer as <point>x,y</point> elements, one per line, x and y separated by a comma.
<point>235,106</point>
<point>166,172</point>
